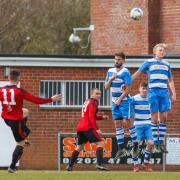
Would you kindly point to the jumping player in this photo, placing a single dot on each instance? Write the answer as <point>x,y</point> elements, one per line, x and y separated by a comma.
<point>159,75</point>
<point>116,79</point>
<point>142,122</point>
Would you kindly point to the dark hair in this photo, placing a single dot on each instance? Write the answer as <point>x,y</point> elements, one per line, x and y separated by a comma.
<point>14,74</point>
<point>144,85</point>
<point>120,54</point>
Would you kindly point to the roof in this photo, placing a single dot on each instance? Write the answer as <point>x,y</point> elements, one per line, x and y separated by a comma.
<point>77,61</point>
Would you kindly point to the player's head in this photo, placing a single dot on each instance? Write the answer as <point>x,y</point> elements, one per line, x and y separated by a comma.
<point>14,76</point>
<point>143,89</point>
<point>96,93</point>
<point>119,59</point>
<point>159,50</point>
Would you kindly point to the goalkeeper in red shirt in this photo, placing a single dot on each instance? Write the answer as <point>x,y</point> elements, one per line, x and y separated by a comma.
<point>11,98</point>
<point>87,130</point>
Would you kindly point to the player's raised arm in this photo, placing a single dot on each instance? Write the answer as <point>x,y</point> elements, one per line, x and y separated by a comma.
<point>136,74</point>
<point>108,82</point>
<point>172,88</point>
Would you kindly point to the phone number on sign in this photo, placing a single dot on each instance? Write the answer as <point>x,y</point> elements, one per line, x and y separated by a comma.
<point>108,161</point>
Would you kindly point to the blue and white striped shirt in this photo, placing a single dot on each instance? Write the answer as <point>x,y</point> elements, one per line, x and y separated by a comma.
<point>141,109</point>
<point>159,71</point>
<point>123,78</point>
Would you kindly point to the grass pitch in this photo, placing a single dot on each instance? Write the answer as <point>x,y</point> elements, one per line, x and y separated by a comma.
<point>88,175</point>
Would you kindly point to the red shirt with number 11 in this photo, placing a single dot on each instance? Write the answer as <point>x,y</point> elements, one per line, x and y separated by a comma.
<point>12,97</point>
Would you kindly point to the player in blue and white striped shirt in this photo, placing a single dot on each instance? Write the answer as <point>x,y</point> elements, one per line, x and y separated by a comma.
<point>117,78</point>
<point>159,75</point>
<point>142,122</point>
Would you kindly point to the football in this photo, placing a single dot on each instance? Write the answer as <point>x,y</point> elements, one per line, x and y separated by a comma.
<point>136,13</point>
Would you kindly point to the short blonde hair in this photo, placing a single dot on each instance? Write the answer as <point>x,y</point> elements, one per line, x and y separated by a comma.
<point>159,45</point>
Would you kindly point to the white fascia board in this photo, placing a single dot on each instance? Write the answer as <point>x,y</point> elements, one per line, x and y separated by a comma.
<point>74,62</point>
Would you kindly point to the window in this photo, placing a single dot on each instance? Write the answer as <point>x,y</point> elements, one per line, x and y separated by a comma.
<point>74,92</point>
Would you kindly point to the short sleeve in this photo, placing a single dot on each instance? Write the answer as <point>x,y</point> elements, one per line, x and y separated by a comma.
<point>132,101</point>
<point>107,76</point>
<point>169,72</point>
<point>144,67</point>
<point>127,78</point>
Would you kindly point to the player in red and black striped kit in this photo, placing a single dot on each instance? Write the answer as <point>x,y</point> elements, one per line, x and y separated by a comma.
<point>12,98</point>
<point>87,130</point>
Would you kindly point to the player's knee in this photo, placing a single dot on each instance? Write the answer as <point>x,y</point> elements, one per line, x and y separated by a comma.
<point>27,132</point>
<point>20,143</point>
<point>154,117</point>
<point>118,123</point>
<point>129,123</point>
<point>163,117</point>
<point>25,112</point>
<point>100,144</point>
<point>79,147</point>
<point>150,143</point>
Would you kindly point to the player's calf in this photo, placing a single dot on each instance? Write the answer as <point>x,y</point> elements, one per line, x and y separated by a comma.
<point>163,148</point>
<point>135,150</point>
<point>156,149</point>
<point>121,152</point>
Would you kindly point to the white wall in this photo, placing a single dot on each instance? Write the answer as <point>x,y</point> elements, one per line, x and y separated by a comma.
<point>7,142</point>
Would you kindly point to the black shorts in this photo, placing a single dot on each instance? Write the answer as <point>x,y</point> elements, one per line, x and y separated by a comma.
<point>19,129</point>
<point>84,136</point>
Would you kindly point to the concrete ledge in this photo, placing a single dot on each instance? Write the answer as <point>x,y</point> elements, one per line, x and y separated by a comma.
<point>133,61</point>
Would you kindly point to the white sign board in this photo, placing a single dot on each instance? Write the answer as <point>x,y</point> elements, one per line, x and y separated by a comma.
<point>173,147</point>
<point>7,142</point>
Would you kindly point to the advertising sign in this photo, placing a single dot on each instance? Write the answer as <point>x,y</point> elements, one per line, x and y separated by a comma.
<point>173,147</point>
<point>67,145</point>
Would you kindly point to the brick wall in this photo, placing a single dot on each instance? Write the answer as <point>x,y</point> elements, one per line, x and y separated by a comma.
<point>115,30</point>
<point>46,123</point>
<point>169,24</point>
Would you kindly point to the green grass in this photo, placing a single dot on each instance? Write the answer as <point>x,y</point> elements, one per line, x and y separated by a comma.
<point>88,175</point>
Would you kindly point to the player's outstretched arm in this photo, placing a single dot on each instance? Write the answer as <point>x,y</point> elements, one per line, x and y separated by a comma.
<point>56,97</point>
<point>38,100</point>
<point>100,117</point>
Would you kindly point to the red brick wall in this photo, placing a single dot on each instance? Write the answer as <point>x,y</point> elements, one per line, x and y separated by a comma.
<point>46,123</point>
<point>169,24</point>
<point>115,30</point>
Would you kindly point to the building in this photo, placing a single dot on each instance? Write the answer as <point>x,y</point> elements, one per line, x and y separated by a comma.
<point>114,31</point>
